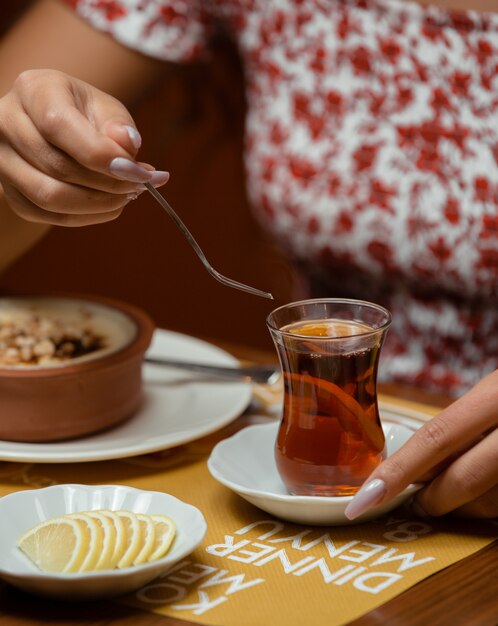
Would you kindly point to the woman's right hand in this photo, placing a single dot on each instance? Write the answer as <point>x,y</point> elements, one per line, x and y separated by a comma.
<point>67,151</point>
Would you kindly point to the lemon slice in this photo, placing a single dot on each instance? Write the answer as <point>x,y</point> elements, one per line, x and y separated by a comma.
<point>165,533</point>
<point>59,544</point>
<point>148,539</point>
<point>134,538</point>
<point>105,560</point>
<point>96,541</point>
<point>120,544</point>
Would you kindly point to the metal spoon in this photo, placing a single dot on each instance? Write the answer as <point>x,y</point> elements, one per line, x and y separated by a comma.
<point>263,374</point>
<point>189,237</point>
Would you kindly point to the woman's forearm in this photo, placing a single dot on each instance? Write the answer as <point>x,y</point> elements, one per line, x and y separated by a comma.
<point>17,235</point>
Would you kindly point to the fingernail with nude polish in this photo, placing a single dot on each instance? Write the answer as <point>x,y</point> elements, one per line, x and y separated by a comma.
<point>364,499</point>
<point>134,136</point>
<point>128,170</point>
<point>158,178</point>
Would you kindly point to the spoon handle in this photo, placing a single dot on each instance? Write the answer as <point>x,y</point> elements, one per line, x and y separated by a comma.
<point>189,237</point>
<point>265,374</point>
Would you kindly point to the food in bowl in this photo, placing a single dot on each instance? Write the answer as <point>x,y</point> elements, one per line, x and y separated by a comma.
<point>97,540</point>
<point>69,366</point>
<point>49,332</point>
<point>31,339</point>
<point>21,510</point>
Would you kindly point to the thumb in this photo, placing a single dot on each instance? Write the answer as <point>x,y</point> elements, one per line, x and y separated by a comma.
<point>112,119</point>
<point>124,132</point>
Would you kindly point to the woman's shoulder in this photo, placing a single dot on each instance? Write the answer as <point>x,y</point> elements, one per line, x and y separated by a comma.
<point>163,29</point>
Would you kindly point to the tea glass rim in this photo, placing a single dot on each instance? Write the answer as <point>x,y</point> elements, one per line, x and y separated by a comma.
<point>372,305</point>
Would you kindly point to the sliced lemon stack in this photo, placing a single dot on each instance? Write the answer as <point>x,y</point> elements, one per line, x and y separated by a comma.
<point>98,540</point>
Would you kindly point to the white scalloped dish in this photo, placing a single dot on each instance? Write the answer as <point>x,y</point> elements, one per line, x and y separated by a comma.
<point>21,510</point>
<point>245,463</point>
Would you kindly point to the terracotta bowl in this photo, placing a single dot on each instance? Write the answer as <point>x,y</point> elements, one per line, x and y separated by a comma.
<point>64,398</point>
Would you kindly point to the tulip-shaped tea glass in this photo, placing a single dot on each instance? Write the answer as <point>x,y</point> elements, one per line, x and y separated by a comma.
<point>330,438</point>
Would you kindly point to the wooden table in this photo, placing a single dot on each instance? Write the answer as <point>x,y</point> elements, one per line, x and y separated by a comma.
<point>464,594</point>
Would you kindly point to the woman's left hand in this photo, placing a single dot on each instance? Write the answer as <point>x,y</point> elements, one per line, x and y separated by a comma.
<point>455,455</point>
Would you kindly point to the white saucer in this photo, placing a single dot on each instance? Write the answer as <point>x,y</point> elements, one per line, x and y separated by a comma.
<point>22,510</point>
<point>178,407</point>
<point>245,464</point>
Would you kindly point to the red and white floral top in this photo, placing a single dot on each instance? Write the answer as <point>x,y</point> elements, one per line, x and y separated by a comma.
<point>371,155</point>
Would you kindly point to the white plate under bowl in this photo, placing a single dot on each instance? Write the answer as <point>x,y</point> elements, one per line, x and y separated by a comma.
<point>178,407</point>
<point>20,511</point>
<point>245,463</point>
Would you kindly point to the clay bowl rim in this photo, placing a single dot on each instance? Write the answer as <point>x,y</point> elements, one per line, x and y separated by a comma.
<point>144,329</point>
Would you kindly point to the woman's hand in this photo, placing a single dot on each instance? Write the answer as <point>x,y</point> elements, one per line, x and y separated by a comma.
<point>67,151</point>
<point>455,455</point>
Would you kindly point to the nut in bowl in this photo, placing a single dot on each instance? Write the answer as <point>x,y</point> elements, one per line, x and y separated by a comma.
<point>69,366</point>
<point>23,510</point>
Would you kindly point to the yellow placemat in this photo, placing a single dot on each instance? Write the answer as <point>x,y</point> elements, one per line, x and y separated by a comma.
<point>254,569</point>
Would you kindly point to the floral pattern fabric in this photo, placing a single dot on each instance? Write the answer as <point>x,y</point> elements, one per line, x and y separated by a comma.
<point>371,156</point>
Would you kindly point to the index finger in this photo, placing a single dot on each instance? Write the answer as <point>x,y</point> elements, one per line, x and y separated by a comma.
<point>447,433</point>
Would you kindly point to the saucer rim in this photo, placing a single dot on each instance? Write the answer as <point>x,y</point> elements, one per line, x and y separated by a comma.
<point>268,495</point>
